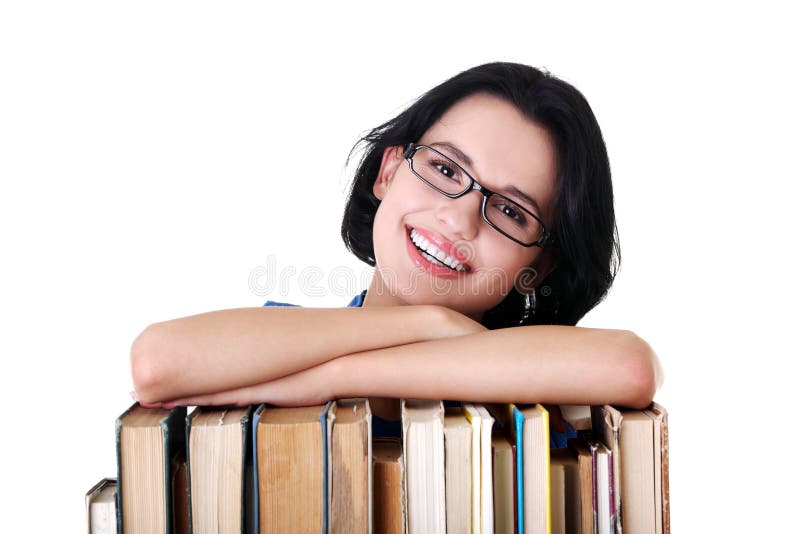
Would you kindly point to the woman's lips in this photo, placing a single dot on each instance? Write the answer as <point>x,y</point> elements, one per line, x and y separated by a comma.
<point>426,265</point>
<point>443,245</point>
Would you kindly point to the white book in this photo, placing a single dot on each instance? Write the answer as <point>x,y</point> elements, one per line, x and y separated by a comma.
<point>605,519</point>
<point>423,453</point>
<point>101,507</point>
<point>487,482</point>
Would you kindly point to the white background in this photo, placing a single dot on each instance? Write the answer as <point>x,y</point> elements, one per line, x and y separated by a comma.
<point>153,154</point>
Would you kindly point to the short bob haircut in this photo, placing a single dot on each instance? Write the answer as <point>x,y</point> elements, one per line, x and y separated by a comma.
<point>586,249</point>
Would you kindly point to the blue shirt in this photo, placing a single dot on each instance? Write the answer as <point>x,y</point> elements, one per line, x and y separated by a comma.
<point>393,428</point>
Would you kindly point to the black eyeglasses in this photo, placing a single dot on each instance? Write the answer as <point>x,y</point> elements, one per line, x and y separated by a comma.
<point>503,214</point>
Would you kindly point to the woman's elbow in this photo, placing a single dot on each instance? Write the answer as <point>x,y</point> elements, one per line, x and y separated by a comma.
<point>147,365</point>
<point>642,372</point>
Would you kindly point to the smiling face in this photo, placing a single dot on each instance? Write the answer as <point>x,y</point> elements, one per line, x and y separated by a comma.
<point>506,150</point>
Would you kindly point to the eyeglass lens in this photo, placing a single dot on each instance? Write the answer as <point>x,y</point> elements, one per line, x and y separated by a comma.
<point>448,177</point>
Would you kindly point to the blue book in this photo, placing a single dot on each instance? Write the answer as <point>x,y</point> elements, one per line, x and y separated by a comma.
<point>518,419</point>
<point>290,482</point>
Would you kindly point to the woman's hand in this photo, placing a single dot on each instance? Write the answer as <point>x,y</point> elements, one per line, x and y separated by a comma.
<point>309,387</point>
<point>453,324</point>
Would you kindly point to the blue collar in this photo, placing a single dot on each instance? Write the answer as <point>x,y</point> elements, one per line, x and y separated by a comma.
<point>358,300</point>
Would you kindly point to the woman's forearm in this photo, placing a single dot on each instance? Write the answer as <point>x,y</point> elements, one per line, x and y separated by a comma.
<point>228,349</point>
<point>548,364</point>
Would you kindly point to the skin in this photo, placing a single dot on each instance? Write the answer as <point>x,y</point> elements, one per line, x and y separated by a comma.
<point>425,343</point>
<point>505,148</point>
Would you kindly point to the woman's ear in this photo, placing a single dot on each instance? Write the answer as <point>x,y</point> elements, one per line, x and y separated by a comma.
<point>392,157</point>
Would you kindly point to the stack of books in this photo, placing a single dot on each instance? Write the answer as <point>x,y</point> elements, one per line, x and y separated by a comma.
<point>472,468</point>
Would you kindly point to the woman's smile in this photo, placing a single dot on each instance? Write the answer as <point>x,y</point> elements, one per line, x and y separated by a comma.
<point>435,255</point>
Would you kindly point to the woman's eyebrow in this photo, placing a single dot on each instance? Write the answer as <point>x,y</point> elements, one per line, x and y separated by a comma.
<point>456,151</point>
<point>512,190</point>
<point>508,190</point>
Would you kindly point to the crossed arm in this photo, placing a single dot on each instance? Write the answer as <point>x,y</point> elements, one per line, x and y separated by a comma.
<point>301,356</point>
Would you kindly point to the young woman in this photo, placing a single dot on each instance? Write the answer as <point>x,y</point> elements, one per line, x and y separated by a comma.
<point>487,209</point>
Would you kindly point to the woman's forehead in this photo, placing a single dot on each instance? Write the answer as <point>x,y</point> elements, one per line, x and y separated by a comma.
<point>499,146</point>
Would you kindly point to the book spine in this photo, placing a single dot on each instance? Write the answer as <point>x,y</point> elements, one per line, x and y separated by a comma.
<point>323,421</point>
<point>611,504</point>
<point>189,419</point>
<point>254,433</point>
<point>173,430</point>
<point>246,494</point>
<point>519,420</point>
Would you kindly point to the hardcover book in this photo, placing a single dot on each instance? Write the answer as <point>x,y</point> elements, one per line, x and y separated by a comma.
<point>389,499</point>
<point>474,418</point>
<point>423,451</point>
<point>640,450</point>
<point>147,439</point>
<point>586,479</point>
<point>218,441</point>
<point>458,470</point>
<point>503,466</point>
<point>101,507</point>
<point>565,493</point>
<point>350,466</point>
<point>533,440</point>
<point>290,463</point>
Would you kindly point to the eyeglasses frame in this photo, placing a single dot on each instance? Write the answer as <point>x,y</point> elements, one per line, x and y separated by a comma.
<point>544,241</point>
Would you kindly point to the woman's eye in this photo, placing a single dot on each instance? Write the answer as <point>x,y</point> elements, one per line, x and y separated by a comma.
<point>445,170</point>
<point>513,214</point>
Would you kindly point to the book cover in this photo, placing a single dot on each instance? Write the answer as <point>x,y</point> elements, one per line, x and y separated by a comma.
<point>518,421</point>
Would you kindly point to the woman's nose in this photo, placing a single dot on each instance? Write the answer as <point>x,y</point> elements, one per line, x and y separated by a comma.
<point>462,216</point>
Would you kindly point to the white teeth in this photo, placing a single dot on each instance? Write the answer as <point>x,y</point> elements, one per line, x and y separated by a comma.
<point>431,252</point>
